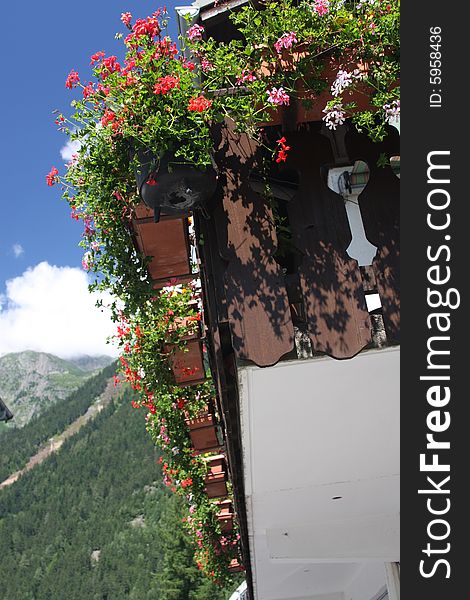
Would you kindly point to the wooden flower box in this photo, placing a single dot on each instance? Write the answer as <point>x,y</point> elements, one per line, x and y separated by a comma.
<point>235,566</point>
<point>307,106</point>
<point>167,242</point>
<point>216,485</point>
<point>225,516</point>
<point>187,364</point>
<point>216,463</point>
<point>203,433</point>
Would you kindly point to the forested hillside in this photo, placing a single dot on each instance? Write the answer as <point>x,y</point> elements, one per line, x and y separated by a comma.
<point>94,522</point>
<point>18,445</point>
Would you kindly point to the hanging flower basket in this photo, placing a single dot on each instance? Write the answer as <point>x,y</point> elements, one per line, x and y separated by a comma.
<point>203,432</point>
<point>172,185</point>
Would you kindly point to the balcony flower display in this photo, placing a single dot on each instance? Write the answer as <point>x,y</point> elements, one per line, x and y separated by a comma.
<point>338,55</point>
<point>141,115</point>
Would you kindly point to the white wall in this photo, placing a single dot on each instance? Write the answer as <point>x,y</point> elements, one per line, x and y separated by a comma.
<point>313,430</point>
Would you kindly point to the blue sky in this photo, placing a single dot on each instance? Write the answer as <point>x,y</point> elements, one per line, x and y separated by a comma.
<point>40,43</point>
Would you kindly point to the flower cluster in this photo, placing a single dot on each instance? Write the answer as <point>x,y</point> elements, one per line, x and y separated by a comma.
<point>285,41</point>
<point>165,84</point>
<point>344,79</point>
<point>195,32</point>
<point>321,7</point>
<point>335,115</point>
<point>392,111</point>
<point>289,51</point>
<point>278,96</point>
<point>199,104</point>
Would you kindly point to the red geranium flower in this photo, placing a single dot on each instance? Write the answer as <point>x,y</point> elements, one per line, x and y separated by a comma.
<point>165,84</point>
<point>51,177</point>
<point>199,104</point>
<point>72,80</point>
<point>126,18</point>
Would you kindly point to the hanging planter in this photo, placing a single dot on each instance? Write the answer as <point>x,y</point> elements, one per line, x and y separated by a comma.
<point>203,432</point>
<point>216,463</point>
<point>172,185</point>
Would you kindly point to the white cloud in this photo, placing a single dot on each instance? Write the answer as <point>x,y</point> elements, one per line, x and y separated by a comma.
<point>49,309</point>
<point>17,250</point>
<point>71,147</point>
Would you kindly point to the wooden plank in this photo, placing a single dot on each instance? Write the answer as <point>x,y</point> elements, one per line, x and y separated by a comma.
<point>337,319</point>
<point>380,209</point>
<point>258,307</point>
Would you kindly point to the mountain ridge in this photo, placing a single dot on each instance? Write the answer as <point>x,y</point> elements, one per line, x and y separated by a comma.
<point>32,381</point>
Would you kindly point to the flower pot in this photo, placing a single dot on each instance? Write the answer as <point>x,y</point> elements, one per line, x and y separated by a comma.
<point>171,185</point>
<point>167,242</point>
<point>187,364</point>
<point>203,433</point>
<point>216,485</point>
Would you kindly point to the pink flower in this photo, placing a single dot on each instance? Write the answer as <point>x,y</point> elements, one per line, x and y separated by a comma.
<point>72,80</point>
<point>285,41</point>
<point>195,32</point>
<point>278,96</point>
<point>126,18</point>
<point>87,261</point>
<point>321,7</point>
<point>206,65</point>
<point>246,76</point>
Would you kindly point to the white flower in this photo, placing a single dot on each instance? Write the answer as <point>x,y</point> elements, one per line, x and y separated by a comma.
<point>334,116</point>
<point>392,111</point>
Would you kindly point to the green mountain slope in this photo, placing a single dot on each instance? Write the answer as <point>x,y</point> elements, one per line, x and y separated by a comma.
<point>18,445</point>
<point>94,522</point>
<point>32,381</point>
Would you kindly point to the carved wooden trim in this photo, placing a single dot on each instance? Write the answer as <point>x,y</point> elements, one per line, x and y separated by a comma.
<point>257,304</point>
